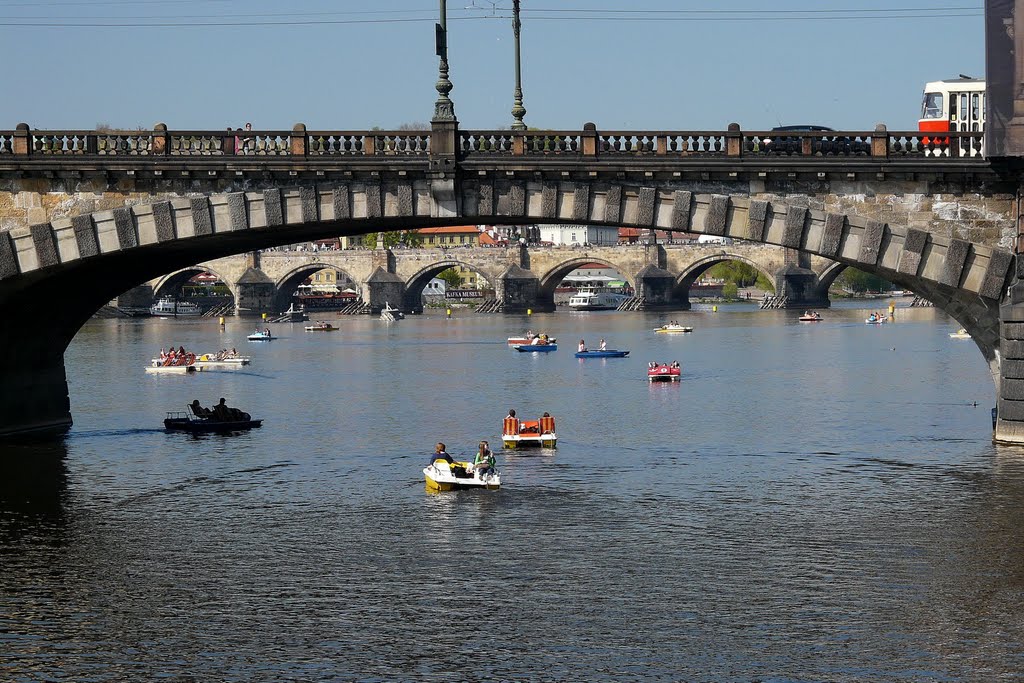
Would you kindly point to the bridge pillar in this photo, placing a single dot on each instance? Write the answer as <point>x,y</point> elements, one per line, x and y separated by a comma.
<point>255,293</point>
<point>387,289</point>
<point>34,400</point>
<point>519,290</point>
<point>655,285</point>
<point>799,284</point>
<point>1009,427</point>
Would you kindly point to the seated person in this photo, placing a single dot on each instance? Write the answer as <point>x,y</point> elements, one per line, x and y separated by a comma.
<point>441,454</point>
<point>483,463</point>
<point>198,410</point>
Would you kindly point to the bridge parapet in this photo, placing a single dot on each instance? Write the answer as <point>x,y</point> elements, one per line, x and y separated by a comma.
<point>818,146</point>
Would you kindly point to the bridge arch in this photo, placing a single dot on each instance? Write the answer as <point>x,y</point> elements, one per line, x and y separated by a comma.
<point>173,281</point>
<point>681,291</point>
<point>550,280</point>
<point>416,283</point>
<point>287,284</point>
<point>131,245</point>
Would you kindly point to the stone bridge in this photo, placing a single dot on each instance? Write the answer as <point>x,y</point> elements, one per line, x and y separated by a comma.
<point>524,277</point>
<point>88,215</point>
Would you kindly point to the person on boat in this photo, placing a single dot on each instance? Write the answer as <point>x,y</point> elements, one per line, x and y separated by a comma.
<point>222,412</point>
<point>233,352</point>
<point>653,364</point>
<point>511,412</point>
<point>483,462</point>
<point>675,364</point>
<point>582,347</point>
<point>267,331</point>
<point>530,335</point>
<point>440,453</point>
<point>198,410</point>
<point>604,345</point>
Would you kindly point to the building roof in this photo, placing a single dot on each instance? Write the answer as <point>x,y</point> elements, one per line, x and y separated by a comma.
<point>454,230</point>
<point>487,239</point>
<point>594,266</point>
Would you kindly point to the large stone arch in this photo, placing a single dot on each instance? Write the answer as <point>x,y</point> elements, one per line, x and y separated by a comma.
<point>130,245</point>
<point>417,282</point>
<point>288,283</point>
<point>550,280</point>
<point>681,291</point>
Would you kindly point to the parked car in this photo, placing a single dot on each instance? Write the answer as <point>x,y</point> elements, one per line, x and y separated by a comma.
<point>788,140</point>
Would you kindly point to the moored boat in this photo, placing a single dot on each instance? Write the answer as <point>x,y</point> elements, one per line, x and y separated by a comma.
<point>596,299</point>
<point>598,353</point>
<point>169,306</point>
<point>442,476</point>
<point>518,433</point>
<point>664,372</point>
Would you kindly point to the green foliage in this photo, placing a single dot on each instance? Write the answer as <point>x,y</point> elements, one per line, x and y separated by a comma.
<point>730,291</point>
<point>393,238</point>
<point>451,278</point>
<point>736,272</point>
<point>857,281</point>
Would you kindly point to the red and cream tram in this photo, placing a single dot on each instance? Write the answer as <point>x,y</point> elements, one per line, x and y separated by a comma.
<point>954,105</point>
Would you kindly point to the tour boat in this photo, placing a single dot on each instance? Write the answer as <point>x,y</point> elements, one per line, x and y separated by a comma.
<point>670,328</point>
<point>596,299</point>
<point>442,476</point>
<point>598,353</point>
<point>810,317</point>
<point>321,327</point>
<point>959,334</point>
<point>518,433</point>
<point>188,421</point>
<point>664,373</point>
<point>261,336</point>
<point>168,306</point>
<point>513,341</point>
<point>536,348</point>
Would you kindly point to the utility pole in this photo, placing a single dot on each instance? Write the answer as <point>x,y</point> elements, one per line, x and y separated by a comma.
<point>444,108</point>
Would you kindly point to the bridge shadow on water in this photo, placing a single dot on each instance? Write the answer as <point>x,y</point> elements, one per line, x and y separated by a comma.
<point>33,490</point>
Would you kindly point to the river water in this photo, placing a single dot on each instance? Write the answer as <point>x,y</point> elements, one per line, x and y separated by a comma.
<point>813,502</point>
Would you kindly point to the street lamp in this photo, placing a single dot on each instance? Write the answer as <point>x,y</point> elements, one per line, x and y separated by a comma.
<point>518,110</point>
<point>444,108</point>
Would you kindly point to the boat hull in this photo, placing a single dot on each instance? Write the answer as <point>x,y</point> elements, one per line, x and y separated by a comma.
<point>184,424</point>
<point>609,353</point>
<point>536,348</point>
<point>514,441</point>
<point>673,330</point>
<point>172,369</point>
<point>440,478</point>
<point>663,373</point>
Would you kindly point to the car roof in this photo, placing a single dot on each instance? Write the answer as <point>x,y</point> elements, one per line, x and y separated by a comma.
<point>796,128</point>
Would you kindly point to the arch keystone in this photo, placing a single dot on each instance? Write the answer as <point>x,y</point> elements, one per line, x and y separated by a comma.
<point>718,214</point>
<point>871,242</point>
<point>832,234</point>
<point>758,218</point>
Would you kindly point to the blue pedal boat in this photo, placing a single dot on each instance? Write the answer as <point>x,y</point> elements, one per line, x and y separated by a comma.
<point>607,353</point>
<point>535,348</point>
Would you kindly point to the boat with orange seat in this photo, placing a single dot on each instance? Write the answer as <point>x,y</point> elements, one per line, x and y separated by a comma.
<point>539,433</point>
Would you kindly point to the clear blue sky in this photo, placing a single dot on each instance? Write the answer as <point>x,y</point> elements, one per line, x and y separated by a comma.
<point>846,65</point>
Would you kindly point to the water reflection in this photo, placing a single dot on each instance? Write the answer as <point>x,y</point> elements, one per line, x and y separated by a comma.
<point>33,491</point>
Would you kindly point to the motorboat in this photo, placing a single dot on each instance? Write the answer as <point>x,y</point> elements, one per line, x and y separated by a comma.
<point>188,421</point>
<point>662,372</point>
<point>444,476</point>
<point>960,334</point>
<point>169,306</point>
<point>389,314</point>
<point>261,335</point>
<point>526,339</point>
<point>538,433</point>
<point>673,328</point>
<point>321,326</point>
<point>596,299</point>
<point>599,353</point>
<point>536,348</point>
<point>810,317</point>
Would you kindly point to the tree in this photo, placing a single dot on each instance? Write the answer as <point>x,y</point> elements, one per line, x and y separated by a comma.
<point>857,281</point>
<point>451,278</point>
<point>737,272</point>
<point>409,238</point>
<point>730,292</point>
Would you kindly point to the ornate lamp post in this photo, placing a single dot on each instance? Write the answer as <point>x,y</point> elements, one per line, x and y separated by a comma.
<point>444,108</point>
<point>518,110</point>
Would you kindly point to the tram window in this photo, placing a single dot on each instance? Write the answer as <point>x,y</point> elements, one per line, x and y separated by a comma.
<point>963,107</point>
<point>975,107</point>
<point>932,108</point>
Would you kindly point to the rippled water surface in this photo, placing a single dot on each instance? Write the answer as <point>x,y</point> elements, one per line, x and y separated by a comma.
<point>811,503</point>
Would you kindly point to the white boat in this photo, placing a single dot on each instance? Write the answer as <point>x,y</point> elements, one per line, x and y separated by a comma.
<point>261,336</point>
<point>389,314</point>
<point>673,328</point>
<point>596,299</point>
<point>959,334</point>
<point>876,320</point>
<point>212,360</point>
<point>169,306</point>
<point>441,476</point>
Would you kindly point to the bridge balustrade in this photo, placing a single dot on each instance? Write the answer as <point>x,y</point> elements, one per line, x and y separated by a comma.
<point>474,144</point>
